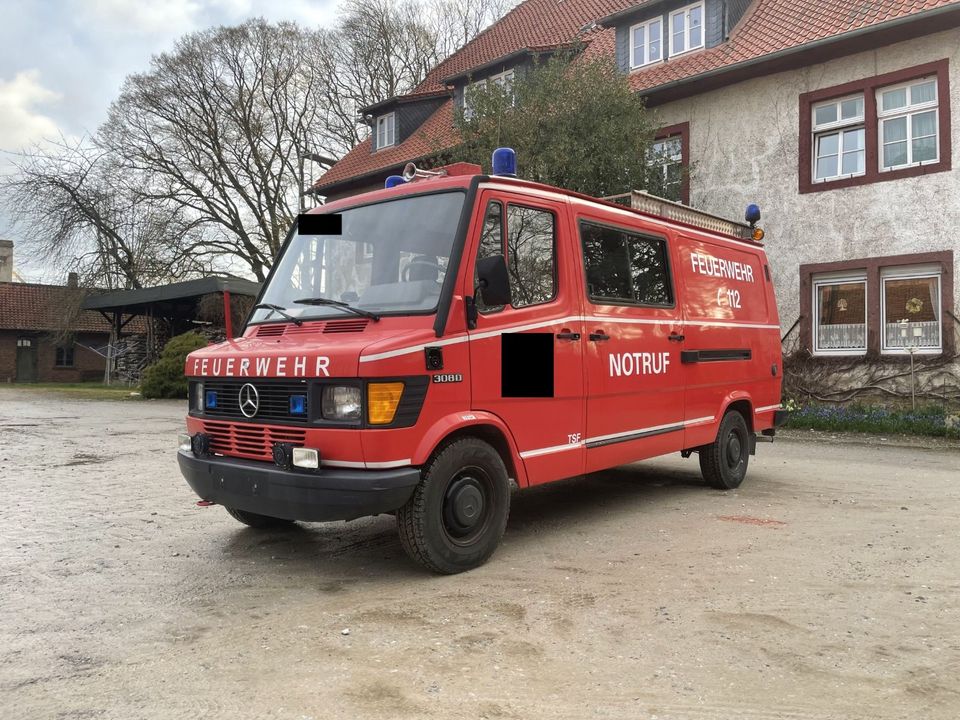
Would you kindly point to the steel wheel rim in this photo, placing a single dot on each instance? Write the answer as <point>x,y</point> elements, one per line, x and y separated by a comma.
<point>467,506</point>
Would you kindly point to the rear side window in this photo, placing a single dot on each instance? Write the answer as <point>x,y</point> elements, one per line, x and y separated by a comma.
<point>624,267</point>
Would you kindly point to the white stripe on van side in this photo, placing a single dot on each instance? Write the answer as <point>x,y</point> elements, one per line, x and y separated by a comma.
<point>768,408</point>
<point>600,438</point>
<point>457,339</point>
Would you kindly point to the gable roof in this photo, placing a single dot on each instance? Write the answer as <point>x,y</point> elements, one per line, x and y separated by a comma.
<point>771,27</point>
<point>35,307</point>
<point>768,31</point>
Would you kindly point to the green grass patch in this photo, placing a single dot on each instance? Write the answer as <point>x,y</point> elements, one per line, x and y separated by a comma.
<point>929,420</point>
<point>85,390</point>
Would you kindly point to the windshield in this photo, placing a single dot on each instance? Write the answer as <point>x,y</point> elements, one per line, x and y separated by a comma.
<point>391,259</point>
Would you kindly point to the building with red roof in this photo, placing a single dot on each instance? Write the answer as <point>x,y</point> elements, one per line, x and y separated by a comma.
<point>834,115</point>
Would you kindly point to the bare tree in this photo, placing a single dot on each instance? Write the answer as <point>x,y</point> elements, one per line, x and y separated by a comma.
<point>225,126</point>
<point>80,213</point>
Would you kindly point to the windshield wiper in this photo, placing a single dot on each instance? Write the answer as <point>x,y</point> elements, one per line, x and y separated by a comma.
<point>280,310</point>
<point>336,303</point>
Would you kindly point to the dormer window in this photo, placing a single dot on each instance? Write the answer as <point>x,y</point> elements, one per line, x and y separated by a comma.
<point>503,80</point>
<point>686,29</point>
<point>646,43</point>
<point>386,130</point>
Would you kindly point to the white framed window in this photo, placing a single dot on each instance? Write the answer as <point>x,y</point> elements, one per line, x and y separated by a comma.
<point>386,130</point>
<point>840,314</point>
<point>503,80</point>
<point>686,29</point>
<point>910,310</point>
<point>839,137</point>
<point>646,43</point>
<point>665,157</point>
<point>909,124</point>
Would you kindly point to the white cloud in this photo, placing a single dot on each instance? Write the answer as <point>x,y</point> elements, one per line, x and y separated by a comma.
<point>20,122</point>
<point>129,16</point>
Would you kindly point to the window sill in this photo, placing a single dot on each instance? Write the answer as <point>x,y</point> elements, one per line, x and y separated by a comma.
<point>838,354</point>
<point>637,68</point>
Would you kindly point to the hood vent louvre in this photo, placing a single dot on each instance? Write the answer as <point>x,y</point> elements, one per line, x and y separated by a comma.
<point>346,326</point>
<point>270,330</point>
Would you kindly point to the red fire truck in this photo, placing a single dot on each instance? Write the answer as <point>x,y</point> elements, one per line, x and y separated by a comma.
<point>419,350</point>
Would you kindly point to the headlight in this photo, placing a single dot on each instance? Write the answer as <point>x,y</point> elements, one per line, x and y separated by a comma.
<point>198,396</point>
<point>341,402</point>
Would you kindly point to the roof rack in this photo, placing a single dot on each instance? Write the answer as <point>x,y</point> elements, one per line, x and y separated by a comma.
<point>670,210</point>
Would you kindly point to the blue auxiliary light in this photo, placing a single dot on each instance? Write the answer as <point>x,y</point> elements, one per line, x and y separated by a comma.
<point>210,401</point>
<point>753,214</point>
<point>393,181</point>
<point>504,162</point>
<point>298,404</point>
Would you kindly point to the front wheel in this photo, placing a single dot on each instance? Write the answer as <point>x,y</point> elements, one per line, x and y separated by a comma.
<point>458,513</point>
<point>724,461</point>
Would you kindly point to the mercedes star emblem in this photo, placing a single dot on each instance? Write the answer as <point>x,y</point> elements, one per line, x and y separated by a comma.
<point>249,400</point>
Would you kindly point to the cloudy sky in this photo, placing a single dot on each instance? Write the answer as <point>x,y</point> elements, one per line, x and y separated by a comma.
<point>63,61</point>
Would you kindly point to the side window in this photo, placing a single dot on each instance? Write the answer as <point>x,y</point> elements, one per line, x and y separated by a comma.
<point>624,267</point>
<point>491,243</point>
<point>531,256</point>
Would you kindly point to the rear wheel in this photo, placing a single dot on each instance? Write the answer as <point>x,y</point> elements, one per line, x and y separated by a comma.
<point>258,521</point>
<point>724,461</point>
<point>457,514</point>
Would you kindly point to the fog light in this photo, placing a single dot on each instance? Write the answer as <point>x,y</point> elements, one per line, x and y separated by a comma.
<point>183,441</point>
<point>200,444</point>
<point>306,458</point>
<point>298,404</point>
<point>282,455</point>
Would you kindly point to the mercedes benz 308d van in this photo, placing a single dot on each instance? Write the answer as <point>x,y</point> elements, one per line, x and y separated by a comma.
<point>419,349</point>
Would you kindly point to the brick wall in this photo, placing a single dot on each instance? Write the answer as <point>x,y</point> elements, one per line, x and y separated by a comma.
<point>87,365</point>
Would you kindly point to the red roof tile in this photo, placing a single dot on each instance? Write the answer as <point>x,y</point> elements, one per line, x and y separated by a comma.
<point>28,306</point>
<point>769,26</point>
<point>436,133</point>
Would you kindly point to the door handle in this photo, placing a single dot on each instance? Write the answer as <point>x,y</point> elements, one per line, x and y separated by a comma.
<point>568,335</point>
<point>599,336</point>
<point>674,337</point>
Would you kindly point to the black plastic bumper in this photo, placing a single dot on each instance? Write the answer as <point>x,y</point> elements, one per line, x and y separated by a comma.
<point>780,417</point>
<point>330,494</point>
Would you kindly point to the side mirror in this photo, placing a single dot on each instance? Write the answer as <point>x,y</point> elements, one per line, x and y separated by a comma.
<point>494,280</point>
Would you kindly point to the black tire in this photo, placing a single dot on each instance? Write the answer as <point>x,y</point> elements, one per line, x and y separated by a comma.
<point>724,461</point>
<point>456,517</point>
<point>254,520</point>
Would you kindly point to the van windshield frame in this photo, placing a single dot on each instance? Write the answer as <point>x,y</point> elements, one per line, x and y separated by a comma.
<point>278,287</point>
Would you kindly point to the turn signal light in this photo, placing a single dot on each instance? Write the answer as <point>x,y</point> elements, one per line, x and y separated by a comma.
<point>382,401</point>
<point>758,234</point>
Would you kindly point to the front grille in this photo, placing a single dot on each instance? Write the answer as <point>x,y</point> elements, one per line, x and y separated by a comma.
<point>274,399</point>
<point>253,442</point>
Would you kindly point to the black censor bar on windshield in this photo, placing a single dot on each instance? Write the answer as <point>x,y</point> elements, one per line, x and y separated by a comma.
<point>329,224</point>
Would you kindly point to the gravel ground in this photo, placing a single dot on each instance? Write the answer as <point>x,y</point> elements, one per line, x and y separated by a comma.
<point>826,587</point>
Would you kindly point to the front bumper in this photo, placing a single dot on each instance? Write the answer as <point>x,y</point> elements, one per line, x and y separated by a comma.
<point>331,494</point>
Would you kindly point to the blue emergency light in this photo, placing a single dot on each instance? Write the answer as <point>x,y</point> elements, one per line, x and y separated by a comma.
<point>393,181</point>
<point>504,162</point>
<point>210,401</point>
<point>753,214</point>
<point>298,404</point>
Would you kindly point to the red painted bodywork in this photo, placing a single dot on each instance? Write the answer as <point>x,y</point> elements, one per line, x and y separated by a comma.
<point>547,438</point>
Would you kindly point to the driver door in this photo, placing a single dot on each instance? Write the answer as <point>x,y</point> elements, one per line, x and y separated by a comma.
<point>526,358</point>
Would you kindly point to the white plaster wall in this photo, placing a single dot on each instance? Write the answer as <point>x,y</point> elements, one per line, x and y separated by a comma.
<point>744,148</point>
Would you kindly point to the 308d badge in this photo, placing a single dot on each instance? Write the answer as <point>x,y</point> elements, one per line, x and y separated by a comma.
<point>448,378</point>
